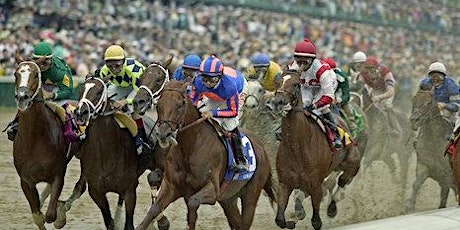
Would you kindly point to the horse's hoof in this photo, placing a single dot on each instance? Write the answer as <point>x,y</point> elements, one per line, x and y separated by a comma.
<point>290,224</point>
<point>39,220</point>
<point>299,210</point>
<point>163,223</point>
<point>332,209</point>
<point>317,224</point>
<point>61,218</point>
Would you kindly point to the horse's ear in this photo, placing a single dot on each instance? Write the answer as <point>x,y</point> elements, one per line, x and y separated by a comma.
<point>18,57</point>
<point>168,60</point>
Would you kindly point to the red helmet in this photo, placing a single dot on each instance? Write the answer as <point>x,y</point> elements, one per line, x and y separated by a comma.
<point>372,61</point>
<point>331,62</point>
<point>306,48</point>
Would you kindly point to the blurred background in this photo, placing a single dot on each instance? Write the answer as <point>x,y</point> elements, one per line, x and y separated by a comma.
<point>405,35</point>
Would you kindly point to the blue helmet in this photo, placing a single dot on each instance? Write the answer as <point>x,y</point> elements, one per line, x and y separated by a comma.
<point>211,66</point>
<point>192,61</point>
<point>260,60</point>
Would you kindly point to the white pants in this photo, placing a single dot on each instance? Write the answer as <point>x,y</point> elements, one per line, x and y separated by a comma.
<point>311,95</point>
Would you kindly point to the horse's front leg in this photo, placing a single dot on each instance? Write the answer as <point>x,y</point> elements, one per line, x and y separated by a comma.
<point>207,195</point>
<point>130,204</point>
<point>167,194</point>
<point>78,190</point>
<point>31,194</point>
<point>283,197</point>
<point>56,189</point>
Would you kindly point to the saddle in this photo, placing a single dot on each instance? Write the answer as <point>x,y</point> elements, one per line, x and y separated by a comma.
<point>72,131</point>
<point>329,131</point>
<point>247,149</point>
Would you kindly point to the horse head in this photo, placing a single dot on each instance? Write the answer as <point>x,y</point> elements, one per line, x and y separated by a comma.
<point>92,99</point>
<point>255,95</point>
<point>152,83</point>
<point>28,82</point>
<point>173,109</point>
<point>424,107</point>
<point>288,97</point>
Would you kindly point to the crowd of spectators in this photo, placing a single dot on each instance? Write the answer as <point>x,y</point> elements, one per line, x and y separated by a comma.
<point>148,29</point>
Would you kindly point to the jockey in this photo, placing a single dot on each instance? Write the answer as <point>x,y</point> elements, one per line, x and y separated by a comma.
<point>354,70</point>
<point>222,92</point>
<point>124,75</point>
<point>380,85</point>
<point>342,94</point>
<point>189,68</point>
<point>56,77</point>
<point>445,90</point>
<point>265,71</point>
<point>318,82</point>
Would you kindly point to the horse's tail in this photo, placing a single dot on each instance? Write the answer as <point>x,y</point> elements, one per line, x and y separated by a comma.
<point>270,190</point>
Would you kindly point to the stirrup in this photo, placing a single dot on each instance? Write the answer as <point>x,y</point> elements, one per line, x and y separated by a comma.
<point>337,143</point>
<point>241,167</point>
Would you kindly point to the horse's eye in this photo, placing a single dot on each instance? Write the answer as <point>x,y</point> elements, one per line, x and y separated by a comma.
<point>261,90</point>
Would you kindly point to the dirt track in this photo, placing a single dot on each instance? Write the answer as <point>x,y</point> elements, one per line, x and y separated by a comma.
<point>371,196</point>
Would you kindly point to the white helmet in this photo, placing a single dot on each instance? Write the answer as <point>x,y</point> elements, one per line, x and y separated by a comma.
<point>438,67</point>
<point>359,57</point>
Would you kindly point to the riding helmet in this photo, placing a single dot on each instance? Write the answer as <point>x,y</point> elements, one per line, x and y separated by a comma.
<point>211,66</point>
<point>192,61</point>
<point>306,48</point>
<point>114,52</point>
<point>43,49</point>
<point>260,60</point>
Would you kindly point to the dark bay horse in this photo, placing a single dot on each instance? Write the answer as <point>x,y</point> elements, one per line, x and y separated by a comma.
<point>304,157</point>
<point>108,156</point>
<point>40,151</point>
<point>197,161</point>
<point>381,144</point>
<point>433,129</point>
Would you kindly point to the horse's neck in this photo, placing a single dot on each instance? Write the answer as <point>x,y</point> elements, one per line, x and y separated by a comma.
<point>293,119</point>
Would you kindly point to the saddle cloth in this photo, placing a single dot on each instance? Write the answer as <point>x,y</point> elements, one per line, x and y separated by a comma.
<point>345,138</point>
<point>248,152</point>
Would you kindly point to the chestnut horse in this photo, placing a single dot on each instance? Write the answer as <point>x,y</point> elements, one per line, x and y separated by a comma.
<point>40,151</point>
<point>304,158</point>
<point>109,160</point>
<point>197,162</point>
<point>433,129</point>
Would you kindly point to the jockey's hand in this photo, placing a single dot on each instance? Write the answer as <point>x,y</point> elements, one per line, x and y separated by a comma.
<point>118,105</point>
<point>310,107</point>
<point>206,114</point>
<point>48,95</point>
<point>441,105</point>
<point>376,99</point>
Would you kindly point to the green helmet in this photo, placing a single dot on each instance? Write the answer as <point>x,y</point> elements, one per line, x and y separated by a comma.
<point>43,49</point>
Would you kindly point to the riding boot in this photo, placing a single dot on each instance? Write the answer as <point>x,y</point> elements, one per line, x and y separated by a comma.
<point>240,160</point>
<point>392,122</point>
<point>337,143</point>
<point>12,128</point>
<point>140,139</point>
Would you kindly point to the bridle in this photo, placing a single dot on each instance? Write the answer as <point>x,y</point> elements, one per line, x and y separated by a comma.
<point>154,96</point>
<point>100,106</point>
<point>39,87</point>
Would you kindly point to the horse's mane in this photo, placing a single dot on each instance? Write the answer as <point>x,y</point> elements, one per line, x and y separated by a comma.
<point>175,85</point>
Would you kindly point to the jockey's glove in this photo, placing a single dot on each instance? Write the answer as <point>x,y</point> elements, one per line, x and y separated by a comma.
<point>309,108</point>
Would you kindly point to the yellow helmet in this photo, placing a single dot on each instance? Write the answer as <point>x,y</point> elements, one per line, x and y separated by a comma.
<point>114,52</point>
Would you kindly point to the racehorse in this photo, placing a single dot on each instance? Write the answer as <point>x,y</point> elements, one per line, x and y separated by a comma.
<point>197,163</point>
<point>381,144</point>
<point>108,156</point>
<point>258,119</point>
<point>432,130</point>
<point>40,151</point>
<point>304,157</point>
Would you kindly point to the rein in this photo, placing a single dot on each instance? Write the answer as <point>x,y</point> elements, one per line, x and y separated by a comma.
<point>193,123</point>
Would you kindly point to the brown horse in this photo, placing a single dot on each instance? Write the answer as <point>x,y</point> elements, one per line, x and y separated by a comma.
<point>40,151</point>
<point>197,162</point>
<point>304,157</point>
<point>108,156</point>
<point>432,128</point>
